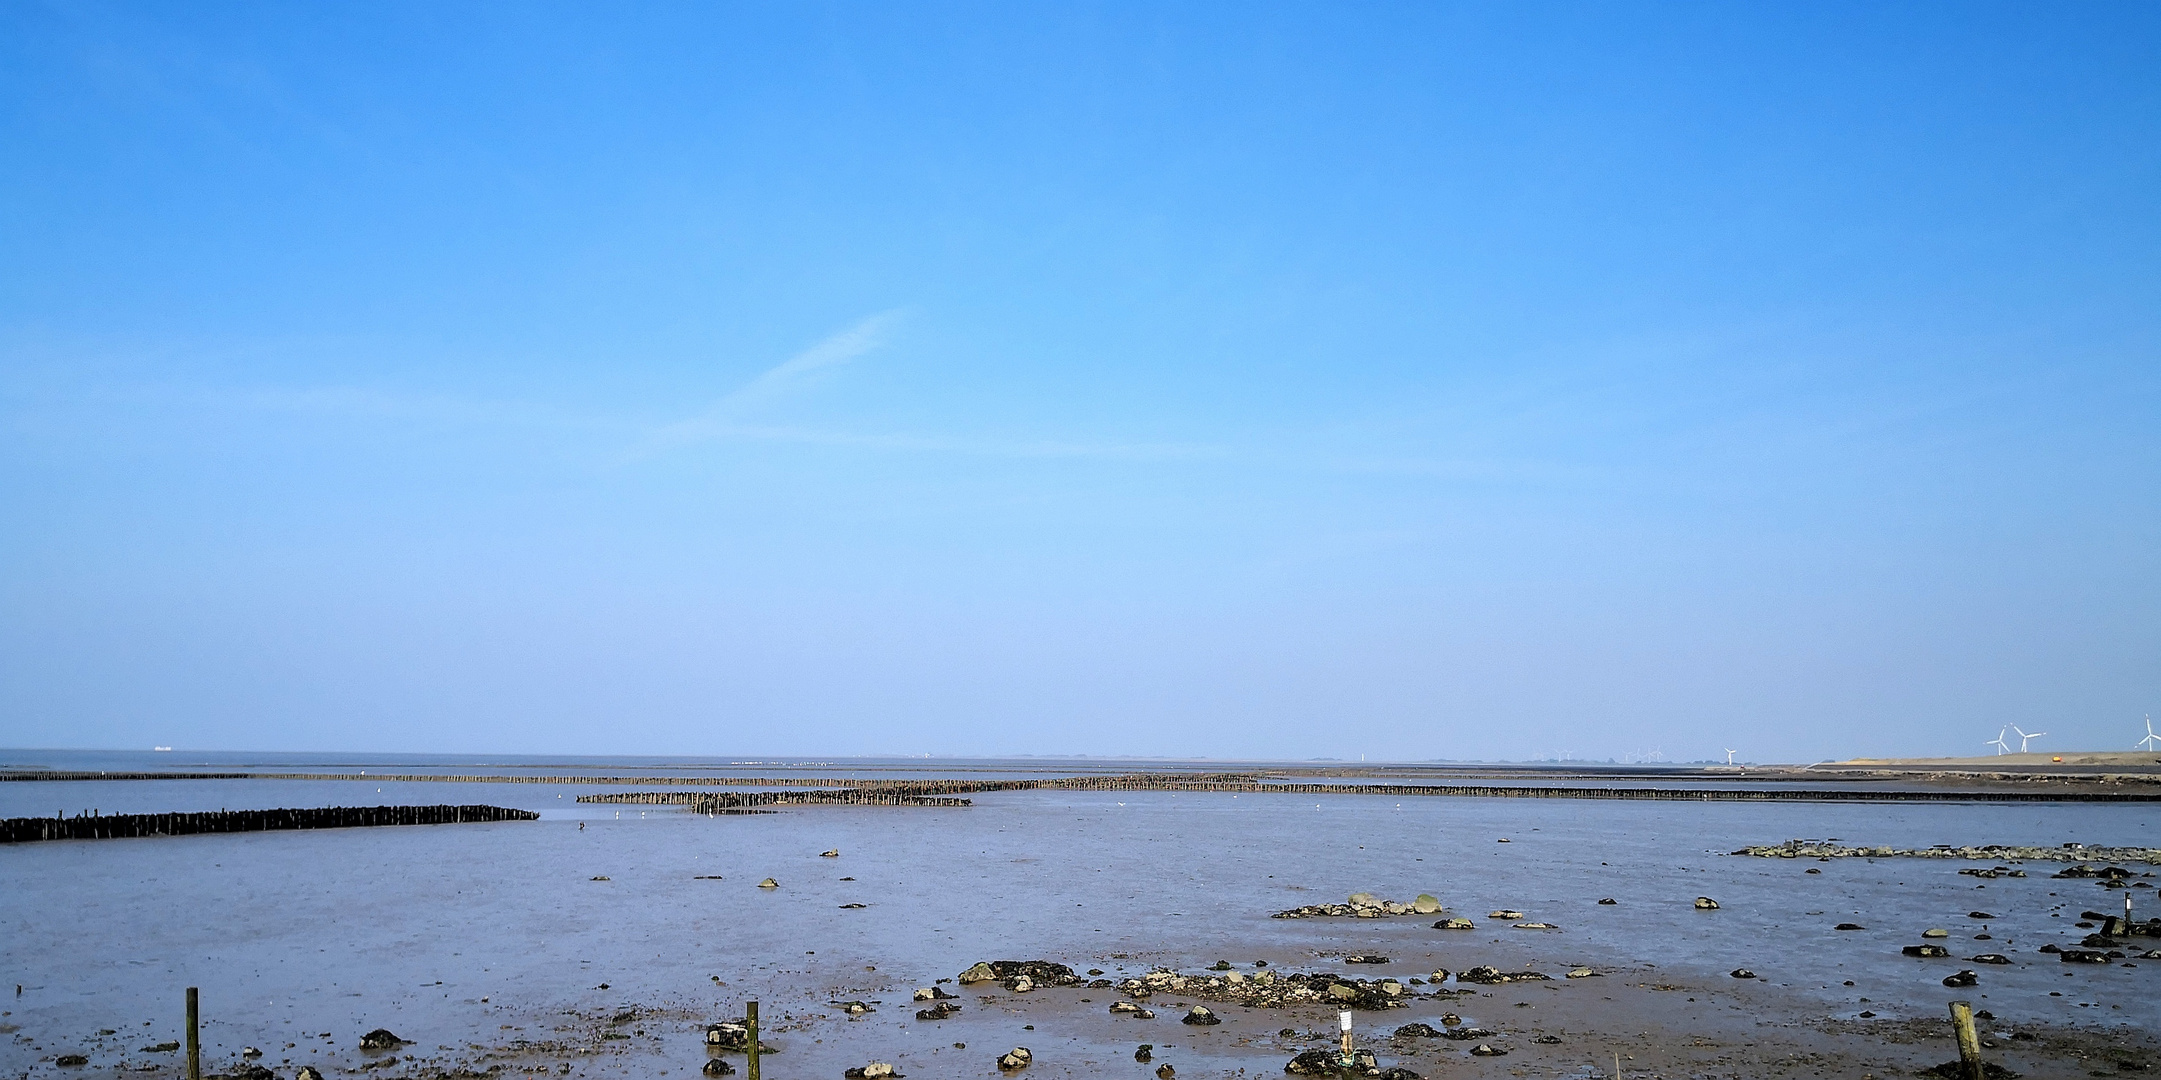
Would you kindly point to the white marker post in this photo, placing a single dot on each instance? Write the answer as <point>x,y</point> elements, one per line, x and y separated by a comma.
<point>1344,1018</point>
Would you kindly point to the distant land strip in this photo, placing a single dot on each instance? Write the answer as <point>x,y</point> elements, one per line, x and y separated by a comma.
<point>124,826</point>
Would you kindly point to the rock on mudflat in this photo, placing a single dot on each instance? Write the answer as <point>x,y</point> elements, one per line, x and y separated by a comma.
<point>1199,1016</point>
<point>853,1008</point>
<point>1504,913</point>
<point>1489,975</point>
<point>308,1072</point>
<point>718,1067</point>
<point>1455,924</point>
<point>1038,973</point>
<point>1989,958</point>
<point>931,993</point>
<point>1488,1050</point>
<point>1146,1053</point>
<point>69,1061</point>
<point>834,853</point>
<point>1330,1063</point>
<point>1017,1058</point>
<point>1926,951</point>
<point>1426,904</point>
<point>1963,978</point>
<point>1849,926</point>
<point>1935,932</point>
<point>380,1039</point>
<point>1365,958</point>
<point>1609,901</point>
<point>1743,973</point>
<point>939,1011</point>
<point>1705,903</point>
<point>769,883</point>
<point>1416,1031</point>
<point>733,1035</point>
<point>876,1070</point>
<point>1535,926</point>
<point>1165,1072</point>
<point>1582,973</point>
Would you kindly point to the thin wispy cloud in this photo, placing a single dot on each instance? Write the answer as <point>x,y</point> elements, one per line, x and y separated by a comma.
<point>720,419</point>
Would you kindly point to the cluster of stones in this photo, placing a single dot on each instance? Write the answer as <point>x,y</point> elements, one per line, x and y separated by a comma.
<point>2108,877</point>
<point>1020,976</point>
<point>1807,849</point>
<point>2106,946</point>
<point>1271,990</point>
<point>1364,906</point>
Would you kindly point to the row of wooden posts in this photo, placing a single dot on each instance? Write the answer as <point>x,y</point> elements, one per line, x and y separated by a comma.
<point>94,826</point>
<point>921,789</point>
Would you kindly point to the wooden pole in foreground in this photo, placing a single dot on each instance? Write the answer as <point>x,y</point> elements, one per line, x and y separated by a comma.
<point>1969,1041</point>
<point>750,1020</point>
<point>195,1045</point>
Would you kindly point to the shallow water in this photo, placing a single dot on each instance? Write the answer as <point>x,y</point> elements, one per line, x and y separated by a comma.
<point>341,930</point>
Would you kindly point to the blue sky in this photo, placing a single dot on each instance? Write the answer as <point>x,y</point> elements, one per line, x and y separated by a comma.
<point>1231,380</point>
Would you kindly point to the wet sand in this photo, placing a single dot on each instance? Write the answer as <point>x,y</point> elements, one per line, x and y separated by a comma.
<point>471,938</point>
<point>1641,1019</point>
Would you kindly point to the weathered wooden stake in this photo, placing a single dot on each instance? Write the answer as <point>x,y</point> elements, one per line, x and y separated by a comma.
<point>1344,1018</point>
<point>750,1020</point>
<point>195,1044</point>
<point>1969,1041</point>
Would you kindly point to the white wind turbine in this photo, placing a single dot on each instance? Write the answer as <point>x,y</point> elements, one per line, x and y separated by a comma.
<point>2001,746</point>
<point>2150,736</point>
<point>1730,753</point>
<point>2024,738</point>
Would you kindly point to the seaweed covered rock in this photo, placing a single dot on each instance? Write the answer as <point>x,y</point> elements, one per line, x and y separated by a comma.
<point>1009,972</point>
<point>1331,1063</point>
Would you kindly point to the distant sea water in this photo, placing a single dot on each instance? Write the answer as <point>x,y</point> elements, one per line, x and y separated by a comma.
<point>397,926</point>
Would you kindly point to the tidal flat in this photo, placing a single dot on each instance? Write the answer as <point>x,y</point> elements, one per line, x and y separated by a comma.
<point>602,940</point>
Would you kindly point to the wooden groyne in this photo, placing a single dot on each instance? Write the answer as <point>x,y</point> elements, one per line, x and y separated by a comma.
<point>906,791</point>
<point>56,774</point>
<point>122,826</point>
<point>729,801</point>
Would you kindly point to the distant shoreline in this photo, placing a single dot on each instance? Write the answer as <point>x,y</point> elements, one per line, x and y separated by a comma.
<point>1740,788</point>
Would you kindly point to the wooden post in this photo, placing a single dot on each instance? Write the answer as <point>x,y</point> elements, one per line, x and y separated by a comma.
<point>750,1020</point>
<point>1969,1041</point>
<point>195,1045</point>
<point>1344,1018</point>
